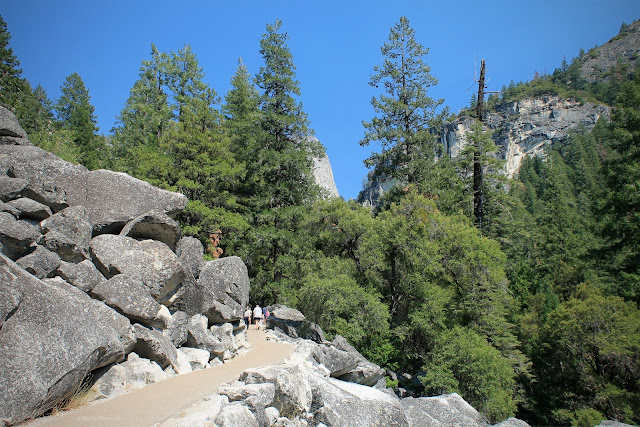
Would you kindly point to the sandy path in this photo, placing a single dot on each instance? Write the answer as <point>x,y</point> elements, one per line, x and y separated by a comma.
<point>159,401</point>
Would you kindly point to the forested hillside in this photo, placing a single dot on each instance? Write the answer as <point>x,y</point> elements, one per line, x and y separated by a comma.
<point>531,311</point>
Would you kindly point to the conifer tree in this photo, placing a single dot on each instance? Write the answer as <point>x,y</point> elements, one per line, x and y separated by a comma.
<point>404,112</point>
<point>76,114</point>
<point>281,167</point>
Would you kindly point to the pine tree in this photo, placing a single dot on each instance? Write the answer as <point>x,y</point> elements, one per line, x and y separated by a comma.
<point>76,114</point>
<point>280,167</point>
<point>405,113</point>
<point>146,115</point>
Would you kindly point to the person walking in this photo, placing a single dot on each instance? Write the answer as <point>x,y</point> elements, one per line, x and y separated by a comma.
<point>265,314</point>
<point>257,316</point>
<point>247,317</point>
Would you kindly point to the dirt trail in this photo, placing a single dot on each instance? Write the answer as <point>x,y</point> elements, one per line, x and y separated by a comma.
<point>159,401</point>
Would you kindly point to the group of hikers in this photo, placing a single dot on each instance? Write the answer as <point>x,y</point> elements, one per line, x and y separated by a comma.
<point>258,315</point>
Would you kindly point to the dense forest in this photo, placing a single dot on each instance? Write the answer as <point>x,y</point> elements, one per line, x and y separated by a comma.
<point>532,311</point>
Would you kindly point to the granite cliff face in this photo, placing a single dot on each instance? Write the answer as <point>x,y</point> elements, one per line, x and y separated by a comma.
<point>525,127</point>
<point>520,128</point>
<point>623,49</point>
<point>323,174</point>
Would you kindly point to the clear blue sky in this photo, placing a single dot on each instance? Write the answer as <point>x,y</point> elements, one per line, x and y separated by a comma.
<point>335,45</point>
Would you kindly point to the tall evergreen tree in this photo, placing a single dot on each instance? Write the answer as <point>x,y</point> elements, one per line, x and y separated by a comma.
<point>76,114</point>
<point>281,167</point>
<point>405,113</point>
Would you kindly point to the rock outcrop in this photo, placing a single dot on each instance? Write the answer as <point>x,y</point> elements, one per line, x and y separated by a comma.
<point>598,63</point>
<point>526,127</point>
<point>304,391</point>
<point>520,128</point>
<point>75,299</point>
<point>323,173</point>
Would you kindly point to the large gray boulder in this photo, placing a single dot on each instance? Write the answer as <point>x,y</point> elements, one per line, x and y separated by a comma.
<point>342,403</point>
<point>293,323</point>
<point>113,198</point>
<point>130,298</point>
<point>78,333</point>
<point>156,347</point>
<point>177,329</point>
<point>293,393</point>
<point>4,207</point>
<point>236,415</point>
<point>83,275</point>
<point>264,392</point>
<point>10,131</point>
<point>441,411</point>
<point>200,336</point>
<point>68,233</point>
<point>190,254</point>
<point>30,209</point>
<point>41,262</point>
<point>149,261</point>
<point>221,292</point>
<point>16,237</point>
<point>155,225</point>
<point>10,188</point>
<point>133,374</point>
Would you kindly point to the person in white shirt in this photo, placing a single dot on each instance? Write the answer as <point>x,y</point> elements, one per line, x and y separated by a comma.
<point>257,316</point>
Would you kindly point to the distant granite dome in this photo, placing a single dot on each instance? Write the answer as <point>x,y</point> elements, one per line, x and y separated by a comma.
<point>323,173</point>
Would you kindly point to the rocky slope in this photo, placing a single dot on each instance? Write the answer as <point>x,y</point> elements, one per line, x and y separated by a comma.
<point>525,127</point>
<point>623,49</point>
<point>98,286</point>
<point>323,174</point>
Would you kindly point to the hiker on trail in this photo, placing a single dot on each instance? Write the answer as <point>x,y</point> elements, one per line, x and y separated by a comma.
<point>247,317</point>
<point>257,316</point>
<point>265,314</point>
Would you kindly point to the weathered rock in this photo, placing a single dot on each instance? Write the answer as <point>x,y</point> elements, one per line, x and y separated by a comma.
<point>9,209</point>
<point>68,233</point>
<point>201,337</point>
<point>113,198</point>
<point>133,374</point>
<point>10,188</point>
<point>236,415</point>
<point>178,329</point>
<point>293,395</point>
<point>16,237</point>
<point>130,298</point>
<point>155,225</point>
<point>10,131</point>
<point>365,373</point>
<point>440,411</point>
<point>293,323</point>
<point>224,333</point>
<point>190,254</point>
<point>156,347</point>
<point>9,301</point>
<point>78,333</point>
<point>30,208</point>
<point>265,392</point>
<point>116,198</point>
<point>149,261</point>
<point>197,357</point>
<point>84,275</point>
<point>40,262</point>
<point>323,175</point>
<point>343,403</point>
<point>221,292</point>
<point>339,362</point>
